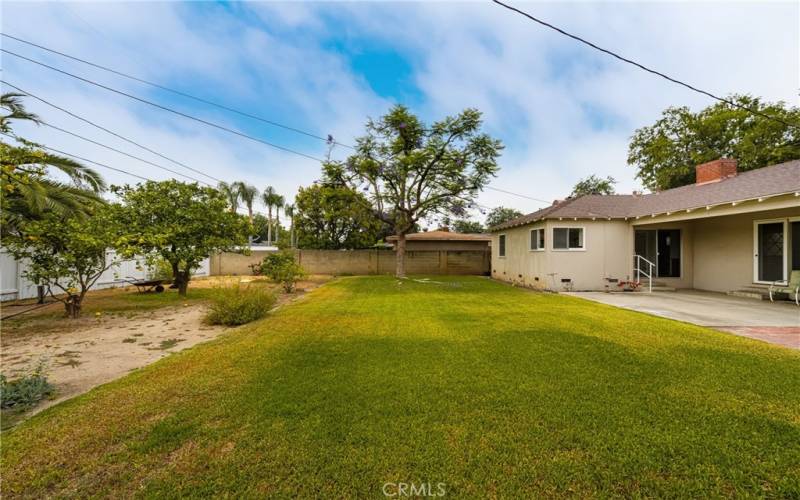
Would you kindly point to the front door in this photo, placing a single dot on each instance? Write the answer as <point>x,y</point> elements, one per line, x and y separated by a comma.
<point>770,255</point>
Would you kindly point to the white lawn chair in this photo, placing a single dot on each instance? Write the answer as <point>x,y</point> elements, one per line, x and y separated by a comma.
<point>792,287</point>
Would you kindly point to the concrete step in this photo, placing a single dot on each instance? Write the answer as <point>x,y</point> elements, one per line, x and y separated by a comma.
<point>751,293</point>
<point>656,288</point>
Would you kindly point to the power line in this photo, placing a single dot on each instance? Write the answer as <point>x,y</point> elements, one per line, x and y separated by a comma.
<point>642,67</point>
<point>178,92</point>
<point>83,159</point>
<point>176,112</point>
<point>164,108</point>
<point>517,194</point>
<point>124,153</point>
<point>104,129</point>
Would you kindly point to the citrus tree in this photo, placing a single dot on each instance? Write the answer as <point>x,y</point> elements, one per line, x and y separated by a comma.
<point>179,222</point>
<point>66,255</point>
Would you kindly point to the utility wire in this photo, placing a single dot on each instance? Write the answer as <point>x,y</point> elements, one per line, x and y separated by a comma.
<point>104,129</point>
<point>177,112</point>
<point>164,108</point>
<point>642,67</point>
<point>81,158</point>
<point>517,194</point>
<point>178,92</point>
<point>124,153</point>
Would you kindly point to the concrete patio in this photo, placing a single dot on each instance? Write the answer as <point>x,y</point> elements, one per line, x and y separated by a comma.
<point>777,323</point>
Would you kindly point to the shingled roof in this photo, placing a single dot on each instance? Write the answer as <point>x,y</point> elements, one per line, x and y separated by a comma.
<point>775,180</point>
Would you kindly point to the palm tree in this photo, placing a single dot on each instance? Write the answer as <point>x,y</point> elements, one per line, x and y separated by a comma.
<point>231,193</point>
<point>27,191</point>
<point>268,197</point>
<point>248,195</point>
<point>11,101</point>
<point>288,210</point>
<point>279,201</point>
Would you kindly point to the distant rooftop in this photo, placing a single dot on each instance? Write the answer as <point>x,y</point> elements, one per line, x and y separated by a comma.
<point>444,236</point>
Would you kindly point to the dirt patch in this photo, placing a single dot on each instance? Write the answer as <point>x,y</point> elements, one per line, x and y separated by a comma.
<point>82,354</point>
<point>80,359</point>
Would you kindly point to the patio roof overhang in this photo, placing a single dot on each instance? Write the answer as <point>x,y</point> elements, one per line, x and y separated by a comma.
<point>777,201</point>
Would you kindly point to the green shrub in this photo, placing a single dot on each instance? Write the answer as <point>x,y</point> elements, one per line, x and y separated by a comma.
<point>238,305</point>
<point>26,391</point>
<point>281,268</point>
<point>275,261</point>
<point>160,269</point>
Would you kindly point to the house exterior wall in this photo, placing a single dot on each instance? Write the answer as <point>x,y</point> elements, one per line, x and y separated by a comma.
<point>520,265</point>
<point>607,253</point>
<point>724,249</point>
<point>717,248</point>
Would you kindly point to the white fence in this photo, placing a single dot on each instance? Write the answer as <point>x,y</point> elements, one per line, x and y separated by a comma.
<point>14,285</point>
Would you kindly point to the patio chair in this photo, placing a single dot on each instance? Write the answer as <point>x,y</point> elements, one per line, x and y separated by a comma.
<point>792,287</point>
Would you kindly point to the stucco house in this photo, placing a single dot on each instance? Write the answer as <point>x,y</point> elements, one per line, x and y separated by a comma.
<point>728,232</point>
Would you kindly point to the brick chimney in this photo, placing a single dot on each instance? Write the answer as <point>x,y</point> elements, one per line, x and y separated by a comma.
<point>715,171</point>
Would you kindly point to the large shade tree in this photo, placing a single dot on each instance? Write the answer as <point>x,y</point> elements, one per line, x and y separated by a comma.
<point>411,171</point>
<point>594,185</point>
<point>178,222</point>
<point>499,215</point>
<point>665,153</point>
<point>334,217</point>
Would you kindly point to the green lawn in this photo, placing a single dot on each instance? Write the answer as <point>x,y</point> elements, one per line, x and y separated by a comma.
<point>492,390</point>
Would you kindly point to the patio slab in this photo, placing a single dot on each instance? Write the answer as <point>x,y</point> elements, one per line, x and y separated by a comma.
<point>777,323</point>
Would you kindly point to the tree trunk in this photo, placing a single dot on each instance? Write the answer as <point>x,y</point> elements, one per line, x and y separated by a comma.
<point>269,226</point>
<point>183,282</point>
<point>72,306</point>
<point>400,270</point>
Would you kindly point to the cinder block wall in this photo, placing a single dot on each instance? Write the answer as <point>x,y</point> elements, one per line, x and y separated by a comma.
<point>363,262</point>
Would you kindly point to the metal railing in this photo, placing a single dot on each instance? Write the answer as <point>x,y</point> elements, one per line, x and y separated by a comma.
<point>638,271</point>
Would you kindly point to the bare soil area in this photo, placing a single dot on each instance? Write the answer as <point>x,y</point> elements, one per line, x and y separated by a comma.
<point>79,359</point>
<point>100,347</point>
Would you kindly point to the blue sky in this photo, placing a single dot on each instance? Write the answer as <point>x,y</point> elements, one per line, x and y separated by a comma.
<point>563,110</point>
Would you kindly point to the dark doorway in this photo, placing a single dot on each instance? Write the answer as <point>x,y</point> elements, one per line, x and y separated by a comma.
<point>770,251</point>
<point>669,253</point>
<point>662,247</point>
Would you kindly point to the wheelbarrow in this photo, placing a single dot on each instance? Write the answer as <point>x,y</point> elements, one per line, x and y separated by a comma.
<point>145,286</point>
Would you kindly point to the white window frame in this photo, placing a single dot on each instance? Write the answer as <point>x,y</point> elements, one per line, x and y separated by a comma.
<point>503,247</point>
<point>553,239</point>
<point>785,221</point>
<point>531,239</point>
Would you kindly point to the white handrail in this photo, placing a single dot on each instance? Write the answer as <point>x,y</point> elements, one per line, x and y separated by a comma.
<point>638,271</point>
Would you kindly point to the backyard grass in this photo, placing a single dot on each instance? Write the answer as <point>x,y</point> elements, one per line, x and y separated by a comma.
<point>492,390</point>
